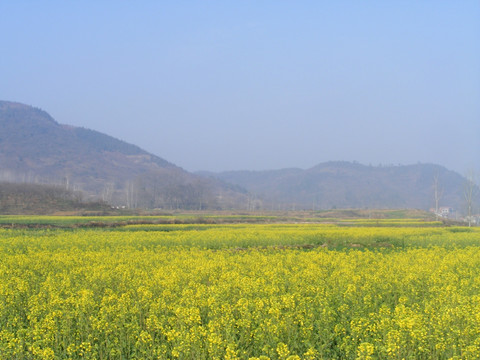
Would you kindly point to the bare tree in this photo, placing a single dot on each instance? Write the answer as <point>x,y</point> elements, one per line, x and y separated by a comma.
<point>131,194</point>
<point>66,181</point>
<point>107,192</point>
<point>437,192</point>
<point>469,193</point>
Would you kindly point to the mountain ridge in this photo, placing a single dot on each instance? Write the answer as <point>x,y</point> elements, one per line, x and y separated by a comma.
<point>35,148</point>
<point>341,184</point>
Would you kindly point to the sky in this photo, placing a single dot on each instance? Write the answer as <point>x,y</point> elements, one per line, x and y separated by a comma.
<point>255,85</point>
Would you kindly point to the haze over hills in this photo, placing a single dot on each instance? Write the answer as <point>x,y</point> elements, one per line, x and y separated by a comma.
<point>351,185</point>
<point>31,140</point>
<point>34,148</point>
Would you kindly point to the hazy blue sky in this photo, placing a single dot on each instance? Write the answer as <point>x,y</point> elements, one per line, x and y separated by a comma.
<point>224,85</point>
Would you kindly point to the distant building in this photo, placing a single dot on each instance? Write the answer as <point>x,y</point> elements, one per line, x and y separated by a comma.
<point>445,212</point>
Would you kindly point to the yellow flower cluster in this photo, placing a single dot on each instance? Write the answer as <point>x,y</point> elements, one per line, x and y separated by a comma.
<point>240,292</point>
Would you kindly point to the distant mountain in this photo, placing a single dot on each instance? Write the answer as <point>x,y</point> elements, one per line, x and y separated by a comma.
<point>34,148</point>
<point>351,185</point>
<point>32,142</point>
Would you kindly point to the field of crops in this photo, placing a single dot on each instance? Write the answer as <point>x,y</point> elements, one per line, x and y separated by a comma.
<point>393,289</point>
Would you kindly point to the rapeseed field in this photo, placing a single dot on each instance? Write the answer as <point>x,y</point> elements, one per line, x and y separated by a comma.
<point>275,291</point>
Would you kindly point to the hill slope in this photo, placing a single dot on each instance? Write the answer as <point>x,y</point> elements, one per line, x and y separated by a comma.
<point>32,142</point>
<point>352,185</point>
<point>43,200</point>
<point>35,148</point>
